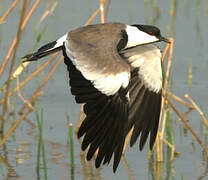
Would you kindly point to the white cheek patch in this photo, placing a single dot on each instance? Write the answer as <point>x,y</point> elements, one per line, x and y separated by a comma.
<point>137,37</point>
<point>108,84</point>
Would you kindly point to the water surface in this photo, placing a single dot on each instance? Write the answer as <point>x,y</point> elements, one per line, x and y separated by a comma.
<point>188,25</point>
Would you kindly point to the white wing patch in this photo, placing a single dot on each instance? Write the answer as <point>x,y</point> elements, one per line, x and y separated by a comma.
<point>151,74</point>
<point>148,59</point>
<point>108,84</point>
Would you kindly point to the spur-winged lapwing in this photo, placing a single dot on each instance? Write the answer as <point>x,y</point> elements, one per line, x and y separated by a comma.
<point>115,71</point>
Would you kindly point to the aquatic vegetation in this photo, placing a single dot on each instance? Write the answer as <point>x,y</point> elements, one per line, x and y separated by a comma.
<point>14,80</point>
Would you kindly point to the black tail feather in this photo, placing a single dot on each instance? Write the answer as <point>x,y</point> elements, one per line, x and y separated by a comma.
<point>42,52</point>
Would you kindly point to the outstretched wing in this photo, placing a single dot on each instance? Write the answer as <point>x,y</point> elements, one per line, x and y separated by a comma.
<point>94,53</point>
<point>106,117</point>
<point>144,111</point>
<point>100,82</point>
<point>145,89</point>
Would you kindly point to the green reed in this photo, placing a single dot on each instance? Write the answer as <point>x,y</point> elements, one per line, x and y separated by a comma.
<point>41,148</point>
<point>71,146</point>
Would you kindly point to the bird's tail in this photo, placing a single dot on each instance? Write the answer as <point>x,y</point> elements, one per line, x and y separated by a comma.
<point>46,50</point>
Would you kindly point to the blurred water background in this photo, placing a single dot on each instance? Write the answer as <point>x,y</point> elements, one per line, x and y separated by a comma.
<point>185,20</point>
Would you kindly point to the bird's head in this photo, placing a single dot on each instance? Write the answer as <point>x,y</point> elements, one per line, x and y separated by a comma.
<point>143,34</point>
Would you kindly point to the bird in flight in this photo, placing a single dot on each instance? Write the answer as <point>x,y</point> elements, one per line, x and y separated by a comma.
<point>115,71</point>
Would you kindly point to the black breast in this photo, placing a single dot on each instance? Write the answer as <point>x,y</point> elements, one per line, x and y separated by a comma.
<point>122,43</point>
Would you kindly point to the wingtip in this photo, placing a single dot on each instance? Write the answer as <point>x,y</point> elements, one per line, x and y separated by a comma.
<point>151,145</point>
<point>132,140</point>
<point>141,145</point>
<point>115,166</point>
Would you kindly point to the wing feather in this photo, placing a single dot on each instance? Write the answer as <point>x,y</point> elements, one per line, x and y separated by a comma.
<point>144,112</point>
<point>106,117</point>
<point>98,60</point>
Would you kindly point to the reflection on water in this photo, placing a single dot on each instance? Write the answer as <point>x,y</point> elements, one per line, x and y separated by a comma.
<point>186,21</point>
<point>7,170</point>
<point>22,152</point>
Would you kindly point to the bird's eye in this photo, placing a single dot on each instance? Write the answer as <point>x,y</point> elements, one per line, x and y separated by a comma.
<point>150,33</point>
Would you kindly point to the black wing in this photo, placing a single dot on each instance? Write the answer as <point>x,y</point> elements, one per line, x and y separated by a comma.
<point>110,118</point>
<point>106,118</point>
<point>144,111</point>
